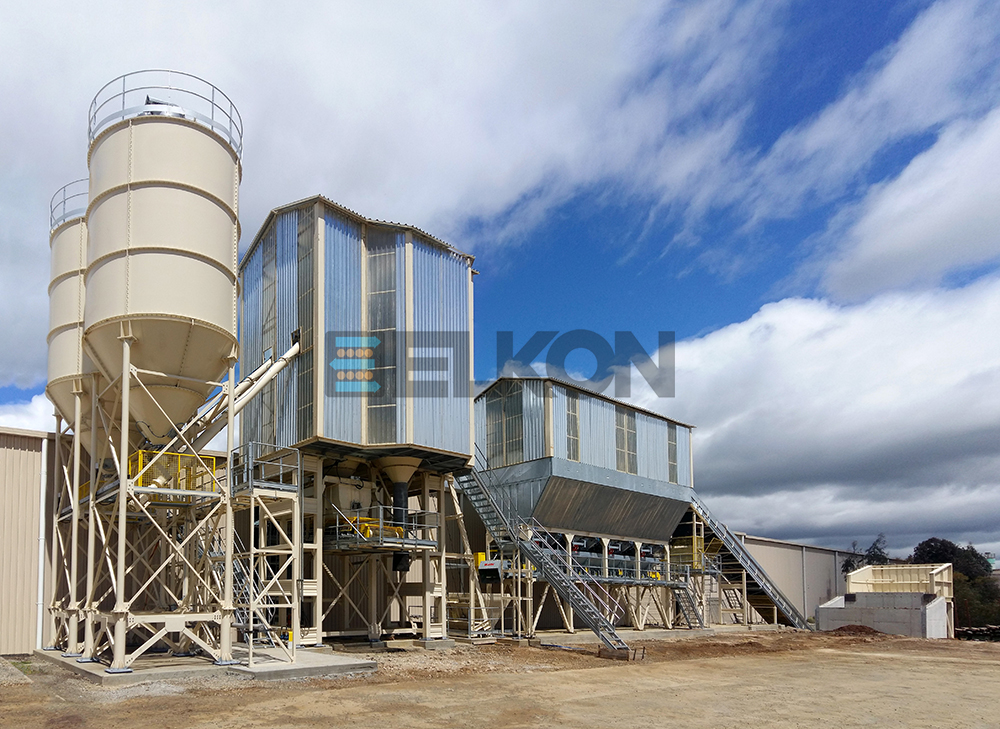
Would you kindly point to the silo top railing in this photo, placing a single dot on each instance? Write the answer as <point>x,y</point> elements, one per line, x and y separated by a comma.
<point>70,201</point>
<point>160,92</point>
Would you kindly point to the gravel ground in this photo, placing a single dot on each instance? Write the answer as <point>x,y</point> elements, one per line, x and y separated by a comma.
<point>780,680</point>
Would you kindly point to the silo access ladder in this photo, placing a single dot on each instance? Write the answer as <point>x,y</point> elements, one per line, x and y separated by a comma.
<point>756,576</point>
<point>586,598</point>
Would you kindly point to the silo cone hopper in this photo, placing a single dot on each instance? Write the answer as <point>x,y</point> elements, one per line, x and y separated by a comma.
<point>399,470</point>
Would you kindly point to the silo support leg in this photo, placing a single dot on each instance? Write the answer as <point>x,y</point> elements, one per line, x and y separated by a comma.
<point>226,628</point>
<point>121,609</point>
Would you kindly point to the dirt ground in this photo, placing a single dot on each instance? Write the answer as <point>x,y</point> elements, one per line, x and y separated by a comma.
<point>736,680</point>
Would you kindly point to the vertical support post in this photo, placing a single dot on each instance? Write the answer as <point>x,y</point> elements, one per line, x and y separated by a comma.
<point>374,631</point>
<point>226,626</point>
<point>251,572</point>
<point>425,563</point>
<point>743,597</point>
<point>571,624</point>
<point>73,629</point>
<point>638,560</point>
<point>442,558</point>
<point>296,626</point>
<point>121,606</point>
<point>320,491</point>
<point>90,614</point>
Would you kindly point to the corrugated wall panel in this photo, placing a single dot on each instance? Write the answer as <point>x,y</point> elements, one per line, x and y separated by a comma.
<point>286,292</point>
<point>534,419</point>
<point>251,339</point>
<point>441,305</point>
<point>588,507</point>
<point>651,447</point>
<point>684,456</point>
<point>20,472</point>
<point>597,432</point>
<point>401,376</point>
<point>342,414</point>
<point>559,420</point>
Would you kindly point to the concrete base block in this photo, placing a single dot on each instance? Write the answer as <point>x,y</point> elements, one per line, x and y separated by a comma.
<point>434,644</point>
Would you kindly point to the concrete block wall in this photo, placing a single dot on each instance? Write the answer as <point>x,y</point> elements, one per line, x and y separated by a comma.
<point>898,613</point>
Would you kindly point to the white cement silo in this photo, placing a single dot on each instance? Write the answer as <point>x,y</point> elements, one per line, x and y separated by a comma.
<point>68,261</point>
<point>162,226</point>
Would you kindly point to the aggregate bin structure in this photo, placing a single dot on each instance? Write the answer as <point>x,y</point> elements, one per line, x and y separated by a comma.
<point>901,599</point>
<point>378,399</point>
<point>611,486</point>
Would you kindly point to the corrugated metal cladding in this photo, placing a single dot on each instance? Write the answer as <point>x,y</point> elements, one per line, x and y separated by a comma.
<point>278,298</point>
<point>365,275</point>
<point>569,505</point>
<point>344,248</point>
<point>20,475</point>
<point>596,433</point>
<point>597,438</point>
<point>534,419</point>
<point>441,309</point>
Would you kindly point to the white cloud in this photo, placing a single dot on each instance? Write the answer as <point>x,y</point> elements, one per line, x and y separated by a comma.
<point>433,114</point>
<point>946,66</point>
<point>942,213</point>
<point>36,414</point>
<point>816,419</point>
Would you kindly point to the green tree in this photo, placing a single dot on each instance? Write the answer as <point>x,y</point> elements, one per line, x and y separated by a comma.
<point>876,554</point>
<point>977,594</point>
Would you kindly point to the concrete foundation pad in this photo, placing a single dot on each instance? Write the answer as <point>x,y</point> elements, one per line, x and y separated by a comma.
<point>479,640</point>
<point>404,643</point>
<point>434,644</point>
<point>523,642</point>
<point>309,662</point>
<point>268,664</point>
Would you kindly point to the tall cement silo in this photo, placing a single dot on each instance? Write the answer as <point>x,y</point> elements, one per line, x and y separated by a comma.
<point>68,380</point>
<point>68,258</point>
<point>160,326</point>
<point>161,291</point>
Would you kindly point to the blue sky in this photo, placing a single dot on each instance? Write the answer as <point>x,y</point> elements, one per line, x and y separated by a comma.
<point>806,193</point>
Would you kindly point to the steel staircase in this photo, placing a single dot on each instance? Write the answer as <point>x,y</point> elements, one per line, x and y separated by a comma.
<point>687,608</point>
<point>761,591</point>
<point>595,606</point>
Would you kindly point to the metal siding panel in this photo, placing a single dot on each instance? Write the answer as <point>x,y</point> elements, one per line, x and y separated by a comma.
<point>251,336</point>
<point>559,420</point>
<point>286,293</point>
<point>20,464</point>
<point>534,419</point>
<point>651,451</point>
<point>597,432</point>
<point>572,505</point>
<point>783,564</point>
<point>441,305</point>
<point>683,455</point>
<point>342,415</point>
<point>401,354</point>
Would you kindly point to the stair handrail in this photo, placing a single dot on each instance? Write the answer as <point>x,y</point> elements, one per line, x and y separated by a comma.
<point>750,564</point>
<point>494,492</point>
